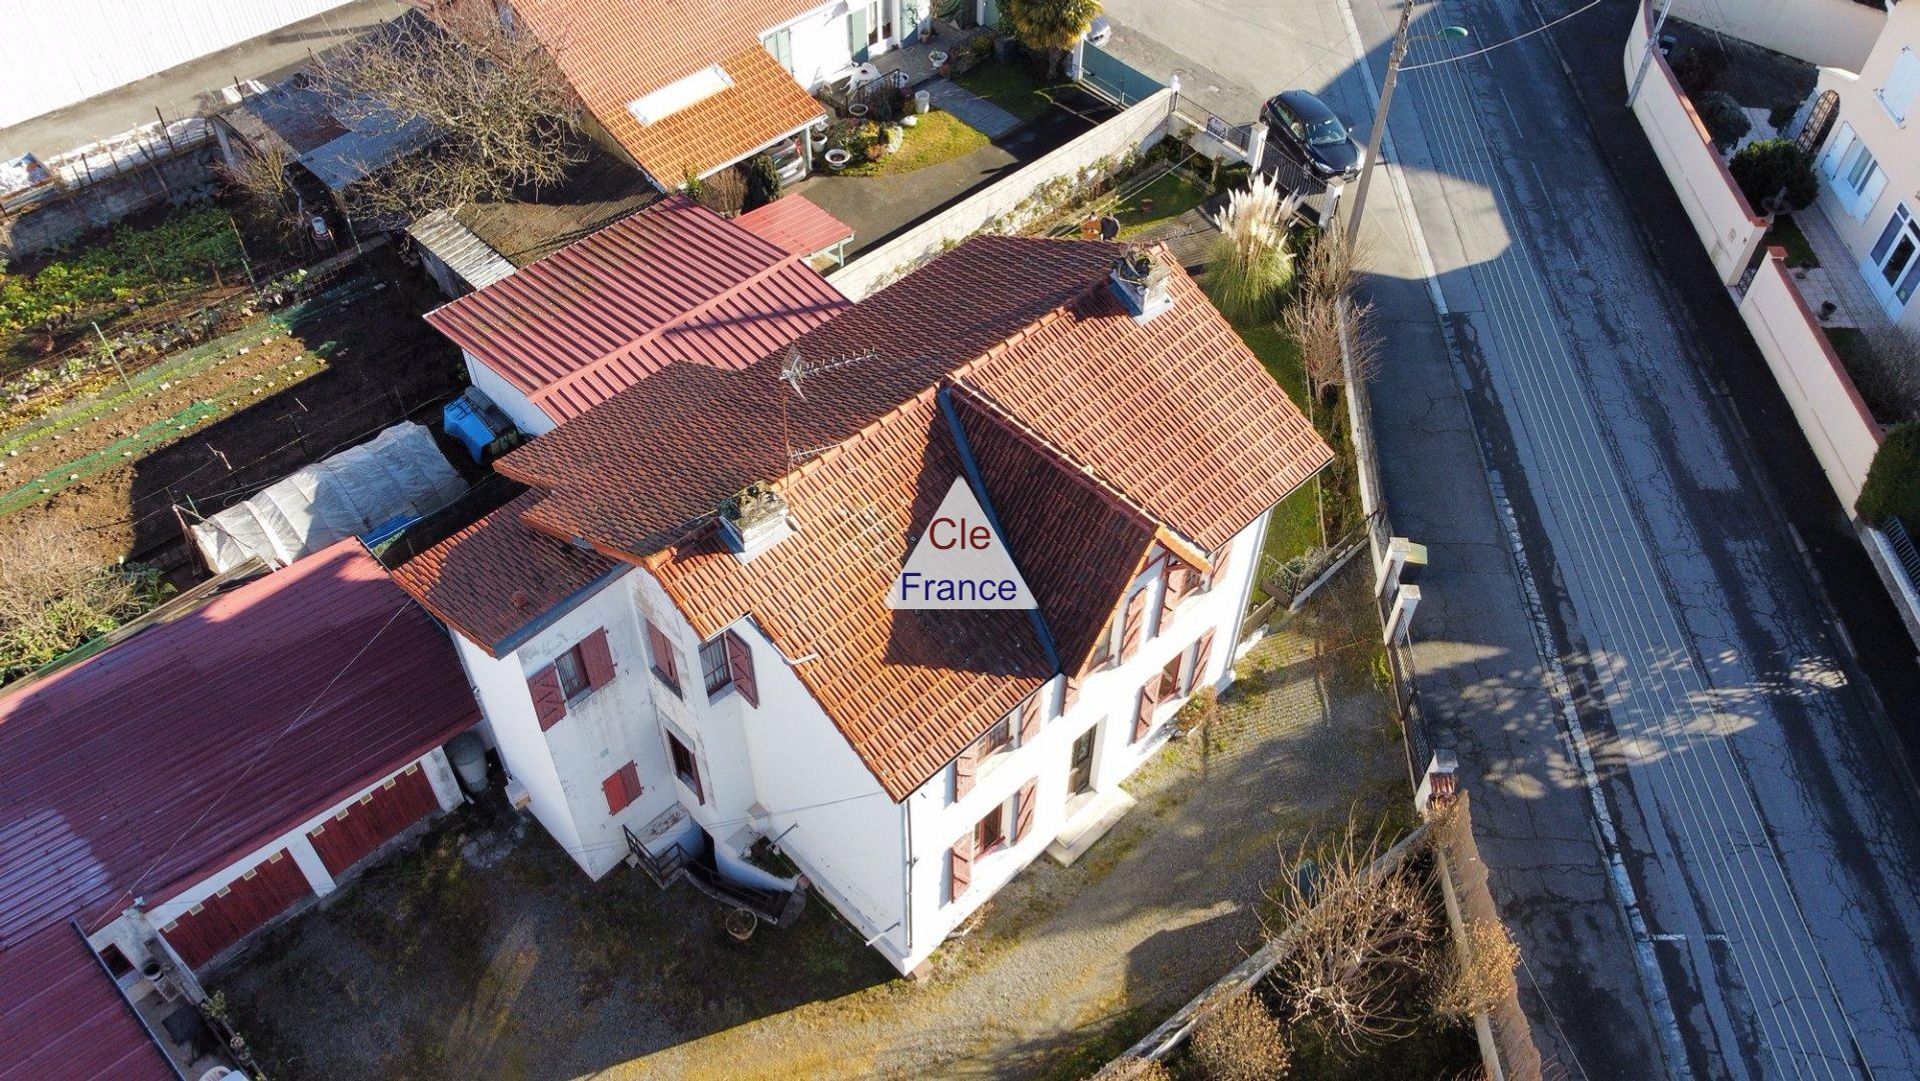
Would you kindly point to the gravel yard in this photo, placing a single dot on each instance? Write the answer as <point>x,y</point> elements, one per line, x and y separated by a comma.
<point>486,953</point>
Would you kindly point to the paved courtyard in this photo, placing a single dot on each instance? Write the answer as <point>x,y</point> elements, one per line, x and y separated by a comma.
<point>488,954</point>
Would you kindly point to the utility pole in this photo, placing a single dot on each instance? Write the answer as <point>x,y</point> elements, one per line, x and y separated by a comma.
<point>1379,132</point>
<point>1646,56</point>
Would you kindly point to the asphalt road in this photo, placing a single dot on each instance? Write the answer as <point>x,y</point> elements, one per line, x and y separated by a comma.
<point>1693,813</point>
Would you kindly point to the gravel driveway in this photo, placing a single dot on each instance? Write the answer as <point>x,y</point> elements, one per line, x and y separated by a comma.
<point>487,955</point>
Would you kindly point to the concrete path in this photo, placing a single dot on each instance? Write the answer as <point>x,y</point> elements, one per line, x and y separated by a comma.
<point>1692,812</point>
<point>182,90</point>
<point>973,110</point>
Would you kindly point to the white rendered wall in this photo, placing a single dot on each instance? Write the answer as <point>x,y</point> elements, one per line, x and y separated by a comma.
<point>602,731</point>
<point>1830,33</point>
<point>1107,699</point>
<point>820,44</point>
<point>525,415</point>
<point>786,757</point>
<point>69,51</point>
<point>500,685</point>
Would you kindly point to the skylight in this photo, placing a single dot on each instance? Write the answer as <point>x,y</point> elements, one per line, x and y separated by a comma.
<point>680,94</point>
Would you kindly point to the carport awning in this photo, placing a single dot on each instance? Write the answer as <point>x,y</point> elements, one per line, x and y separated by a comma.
<point>798,225</point>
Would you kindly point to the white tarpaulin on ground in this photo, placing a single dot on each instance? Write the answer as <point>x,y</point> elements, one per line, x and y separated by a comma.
<point>399,472</point>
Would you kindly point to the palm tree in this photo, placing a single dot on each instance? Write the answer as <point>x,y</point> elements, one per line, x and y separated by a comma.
<point>1052,26</point>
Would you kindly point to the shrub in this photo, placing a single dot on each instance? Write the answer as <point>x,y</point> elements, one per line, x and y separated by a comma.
<point>1726,122</point>
<point>1240,1041</point>
<point>1774,168</point>
<point>763,182</point>
<point>1892,488</point>
<point>1782,115</point>
<point>1134,1069</point>
<point>1698,68</point>
<point>51,601</point>
<point>1482,978</point>
<point>1885,365</point>
<point>1252,264</point>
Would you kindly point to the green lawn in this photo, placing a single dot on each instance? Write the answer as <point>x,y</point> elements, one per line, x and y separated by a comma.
<point>1168,197</point>
<point>1295,526</point>
<point>1280,355</point>
<point>1788,235</point>
<point>938,137</point>
<point>1008,86</point>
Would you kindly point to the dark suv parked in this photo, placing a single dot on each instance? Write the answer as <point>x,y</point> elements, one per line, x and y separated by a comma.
<point>1311,133</point>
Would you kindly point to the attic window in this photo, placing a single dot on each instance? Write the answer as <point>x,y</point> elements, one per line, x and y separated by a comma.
<point>680,94</point>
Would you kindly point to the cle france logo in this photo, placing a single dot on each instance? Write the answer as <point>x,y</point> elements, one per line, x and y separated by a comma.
<point>960,562</point>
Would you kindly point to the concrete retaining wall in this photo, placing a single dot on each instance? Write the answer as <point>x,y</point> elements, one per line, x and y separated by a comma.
<point>1830,33</point>
<point>178,178</point>
<point>1721,215</point>
<point>1830,411</point>
<point>1012,202</point>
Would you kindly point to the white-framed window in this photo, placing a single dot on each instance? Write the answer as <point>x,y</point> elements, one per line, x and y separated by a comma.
<point>1903,86</point>
<point>1892,268</point>
<point>1853,172</point>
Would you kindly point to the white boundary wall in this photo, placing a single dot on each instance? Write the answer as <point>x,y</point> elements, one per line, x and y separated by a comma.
<point>1830,33</point>
<point>1824,400</point>
<point>69,51</point>
<point>1720,213</point>
<point>1009,204</point>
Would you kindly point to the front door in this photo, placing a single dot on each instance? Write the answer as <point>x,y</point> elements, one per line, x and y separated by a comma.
<point>1080,767</point>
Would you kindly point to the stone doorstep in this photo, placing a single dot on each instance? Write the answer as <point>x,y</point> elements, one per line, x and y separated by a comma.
<point>1089,823</point>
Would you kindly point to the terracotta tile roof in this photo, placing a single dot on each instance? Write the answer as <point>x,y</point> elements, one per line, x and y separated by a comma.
<point>494,578</point>
<point>908,689</point>
<point>674,282</point>
<point>169,755</point>
<point>61,1016</point>
<point>616,51</point>
<point>797,225</point>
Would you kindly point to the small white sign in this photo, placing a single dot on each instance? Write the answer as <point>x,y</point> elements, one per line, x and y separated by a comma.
<point>960,562</point>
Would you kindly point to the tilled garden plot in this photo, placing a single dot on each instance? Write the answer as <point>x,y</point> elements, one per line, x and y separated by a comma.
<point>215,425</point>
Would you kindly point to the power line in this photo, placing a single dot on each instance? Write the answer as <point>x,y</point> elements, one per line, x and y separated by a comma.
<point>1501,44</point>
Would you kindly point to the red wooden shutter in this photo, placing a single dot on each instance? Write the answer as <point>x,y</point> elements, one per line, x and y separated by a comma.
<point>663,658</point>
<point>598,658</point>
<point>549,705</point>
<point>1220,565</point>
<point>960,864</point>
<point>1070,695</point>
<point>1023,814</point>
<point>1143,715</point>
<point>699,789</point>
<point>1030,713</point>
<point>964,768</point>
<point>1133,631</point>
<point>1178,576</point>
<point>622,788</point>
<point>237,909</point>
<point>740,667</point>
<point>373,819</point>
<point>1200,658</point>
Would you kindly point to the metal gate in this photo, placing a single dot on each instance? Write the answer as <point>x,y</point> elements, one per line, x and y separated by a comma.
<point>1114,79</point>
<point>1819,121</point>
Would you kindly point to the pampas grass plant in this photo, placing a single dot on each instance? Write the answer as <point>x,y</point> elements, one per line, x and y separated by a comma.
<point>1252,264</point>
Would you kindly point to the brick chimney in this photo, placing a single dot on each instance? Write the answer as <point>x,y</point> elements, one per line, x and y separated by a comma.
<point>1143,282</point>
<point>754,520</point>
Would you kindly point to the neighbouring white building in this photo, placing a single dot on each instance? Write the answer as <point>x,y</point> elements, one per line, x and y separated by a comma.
<point>1870,162</point>
<point>679,635</point>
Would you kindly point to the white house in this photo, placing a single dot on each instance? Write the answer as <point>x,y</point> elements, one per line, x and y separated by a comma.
<point>1870,162</point>
<point>679,634</point>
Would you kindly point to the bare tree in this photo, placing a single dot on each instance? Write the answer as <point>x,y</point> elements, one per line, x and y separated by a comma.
<point>1316,317</point>
<point>503,111</point>
<point>1240,1041</point>
<point>51,601</point>
<point>260,176</point>
<point>1482,975</point>
<point>1361,939</point>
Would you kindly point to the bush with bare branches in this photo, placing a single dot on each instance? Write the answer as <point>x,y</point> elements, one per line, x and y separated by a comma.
<point>51,602</point>
<point>1314,320</point>
<point>1134,1069</point>
<point>1240,1041</point>
<point>1360,940</point>
<point>1482,976</point>
<point>505,114</point>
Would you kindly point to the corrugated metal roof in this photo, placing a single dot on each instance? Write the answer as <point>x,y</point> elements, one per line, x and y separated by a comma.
<point>797,224</point>
<point>62,1017</point>
<point>460,249</point>
<point>155,763</point>
<point>675,282</point>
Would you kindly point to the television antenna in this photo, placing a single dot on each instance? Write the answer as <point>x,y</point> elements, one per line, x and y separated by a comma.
<point>798,369</point>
